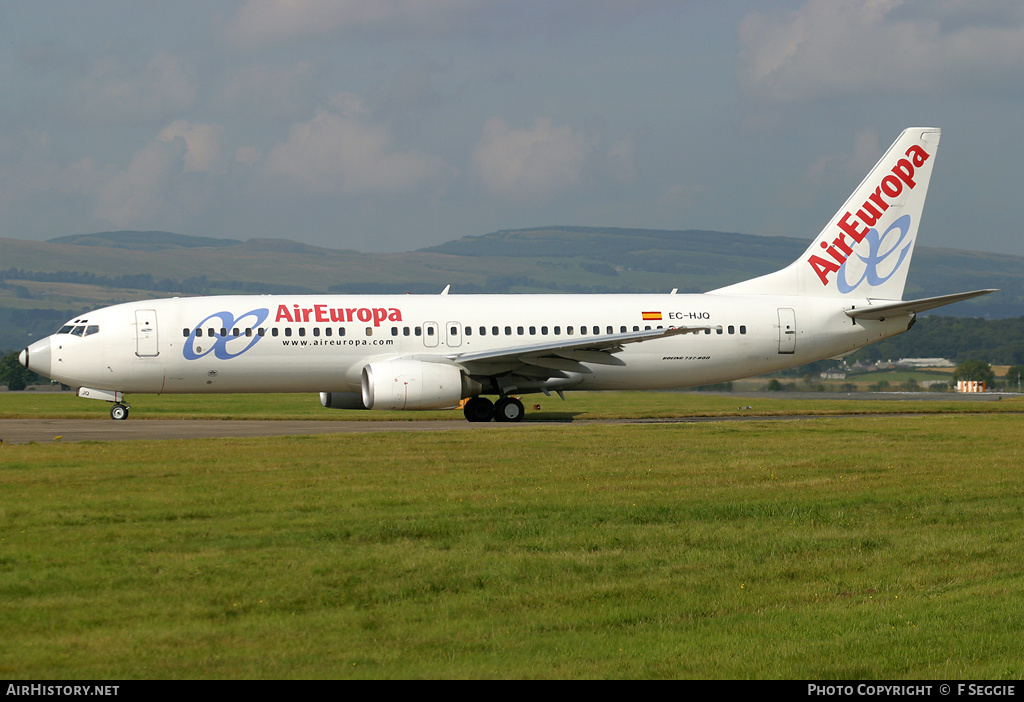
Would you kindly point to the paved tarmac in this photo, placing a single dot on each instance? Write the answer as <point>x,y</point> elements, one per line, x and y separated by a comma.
<point>20,431</point>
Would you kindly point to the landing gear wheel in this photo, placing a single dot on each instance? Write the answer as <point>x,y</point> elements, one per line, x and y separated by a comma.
<point>478,409</point>
<point>508,409</point>
<point>119,412</point>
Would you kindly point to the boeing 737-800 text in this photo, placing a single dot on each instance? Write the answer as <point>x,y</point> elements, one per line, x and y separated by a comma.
<point>436,351</point>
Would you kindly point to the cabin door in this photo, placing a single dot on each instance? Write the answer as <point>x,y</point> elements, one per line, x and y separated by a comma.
<point>145,333</point>
<point>787,330</point>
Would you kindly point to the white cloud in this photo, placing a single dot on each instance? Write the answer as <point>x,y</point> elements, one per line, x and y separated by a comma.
<point>530,163</point>
<point>202,144</point>
<point>140,193</point>
<point>336,152</point>
<point>867,47</point>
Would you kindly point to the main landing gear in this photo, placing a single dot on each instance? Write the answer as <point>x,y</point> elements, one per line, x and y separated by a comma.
<point>480,409</point>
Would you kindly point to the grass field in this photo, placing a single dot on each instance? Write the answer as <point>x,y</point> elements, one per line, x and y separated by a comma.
<point>837,547</point>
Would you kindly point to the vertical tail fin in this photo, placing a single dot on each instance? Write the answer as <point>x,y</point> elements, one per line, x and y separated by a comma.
<point>865,250</point>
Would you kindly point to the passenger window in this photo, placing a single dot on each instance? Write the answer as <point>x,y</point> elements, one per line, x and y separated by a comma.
<point>327,331</point>
<point>533,331</point>
<point>341,331</point>
<point>494,331</point>
<point>287,331</point>
<point>369,331</point>
<point>430,331</point>
<point>743,329</point>
<point>732,329</point>
<point>508,331</point>
<point>394,331</point>
<point>519,331</point>
<point>248,331</point>
<point>274,331</point>
<point>583,329</point>
<point>544,331</point>
<point>469,330</point>
<point>186,332</point>
<point>558,331</point>
<point>302,331</point>
<point>316,331</point>
<point>622,329</point>
<point>568,330</point>
<point>262,331</point>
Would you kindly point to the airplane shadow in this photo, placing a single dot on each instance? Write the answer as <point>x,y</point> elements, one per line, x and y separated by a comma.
<point>550,416</point>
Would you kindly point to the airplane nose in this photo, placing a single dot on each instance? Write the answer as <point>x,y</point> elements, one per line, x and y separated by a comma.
<point>37,357</point>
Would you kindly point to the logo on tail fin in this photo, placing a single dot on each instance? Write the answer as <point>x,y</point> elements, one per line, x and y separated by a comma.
<point>860,226</point>
<point>875,257</point>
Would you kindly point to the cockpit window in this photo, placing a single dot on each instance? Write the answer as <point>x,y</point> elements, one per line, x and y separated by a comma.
<point>79,327</point>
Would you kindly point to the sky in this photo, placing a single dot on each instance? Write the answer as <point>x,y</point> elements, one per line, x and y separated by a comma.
<point>393,125</point>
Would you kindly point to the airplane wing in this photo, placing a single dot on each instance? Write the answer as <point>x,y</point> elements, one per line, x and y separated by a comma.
<point>891,309</point>
<point>551,359</point>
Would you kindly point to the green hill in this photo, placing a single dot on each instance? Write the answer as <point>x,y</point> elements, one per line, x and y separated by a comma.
<point>144,241</point>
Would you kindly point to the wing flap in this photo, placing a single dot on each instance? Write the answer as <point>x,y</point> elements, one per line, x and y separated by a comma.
<point>563,355</point>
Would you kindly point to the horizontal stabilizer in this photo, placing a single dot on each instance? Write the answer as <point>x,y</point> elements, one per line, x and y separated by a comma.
<point>892,309</point>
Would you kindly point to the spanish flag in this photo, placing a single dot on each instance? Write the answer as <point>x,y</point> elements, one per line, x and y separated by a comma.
<point>651,316</point>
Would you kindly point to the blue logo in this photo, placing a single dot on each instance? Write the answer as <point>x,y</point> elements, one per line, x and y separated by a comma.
<point>218,345</point>
<point>875,256</point>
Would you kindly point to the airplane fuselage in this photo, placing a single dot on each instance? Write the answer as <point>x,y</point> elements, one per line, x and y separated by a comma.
<point>321,343</point>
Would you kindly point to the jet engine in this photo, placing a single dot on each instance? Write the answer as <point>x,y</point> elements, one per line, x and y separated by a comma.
<point>342,400</point>
<point>411,385</point>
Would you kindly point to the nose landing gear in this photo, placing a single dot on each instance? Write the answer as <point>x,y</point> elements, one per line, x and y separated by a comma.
<point>119,411</point>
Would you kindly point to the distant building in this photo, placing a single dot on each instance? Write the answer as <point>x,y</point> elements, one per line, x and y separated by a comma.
<point>925,363</point>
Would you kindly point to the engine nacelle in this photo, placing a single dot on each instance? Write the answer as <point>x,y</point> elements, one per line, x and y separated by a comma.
<point>342,400</point>
<point>410,385</point>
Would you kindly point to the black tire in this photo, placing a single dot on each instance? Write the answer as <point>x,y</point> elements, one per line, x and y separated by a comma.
<point>509,409</point>
<point>119,412</point>
<point>478,409</point>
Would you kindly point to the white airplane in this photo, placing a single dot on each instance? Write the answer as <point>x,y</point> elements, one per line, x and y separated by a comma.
<point>416,352</point>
